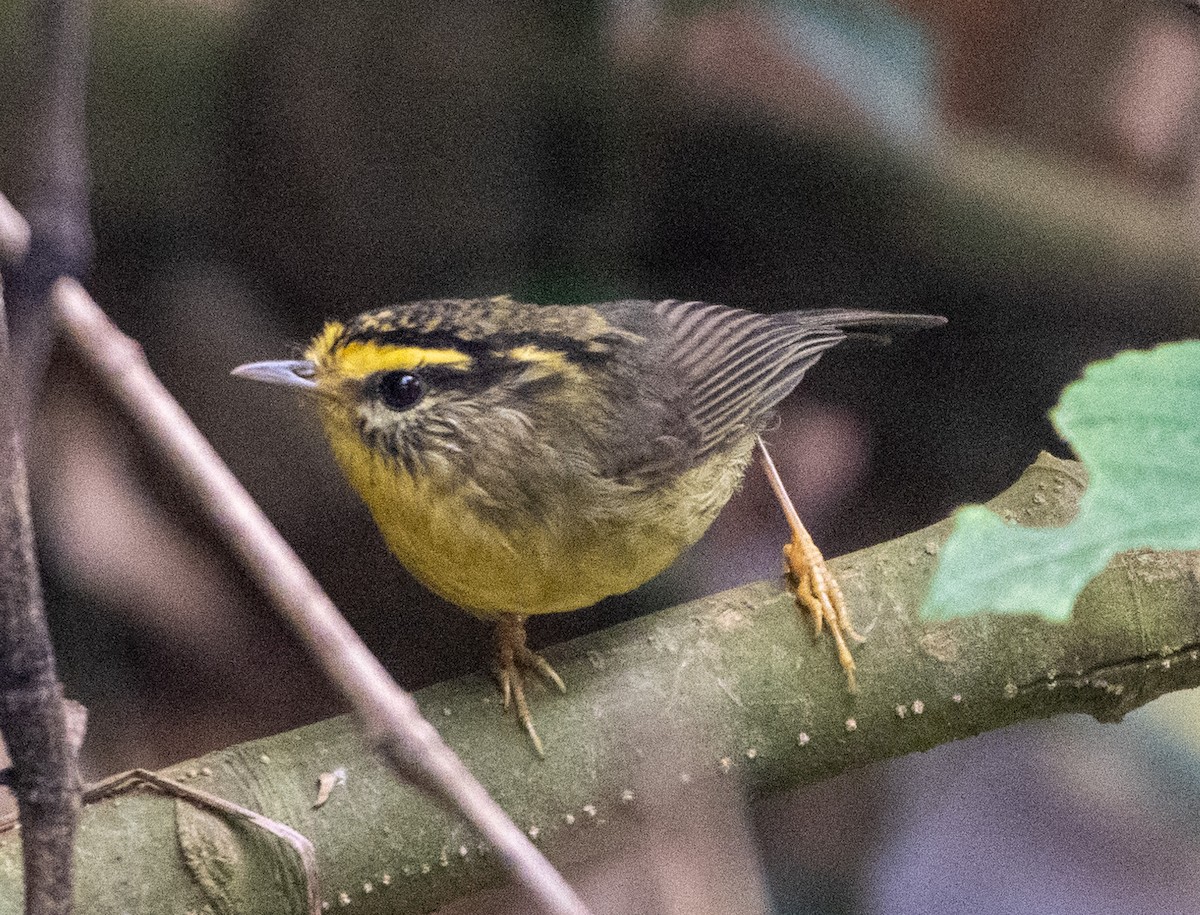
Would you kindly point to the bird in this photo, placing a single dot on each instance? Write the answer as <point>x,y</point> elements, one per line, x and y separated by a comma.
<point>522,459</point>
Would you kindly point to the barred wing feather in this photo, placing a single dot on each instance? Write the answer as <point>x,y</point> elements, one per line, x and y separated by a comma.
<point>739,365</point>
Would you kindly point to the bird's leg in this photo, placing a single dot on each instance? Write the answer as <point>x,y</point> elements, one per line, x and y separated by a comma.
<point>513,657</point>
<point>811,581</point>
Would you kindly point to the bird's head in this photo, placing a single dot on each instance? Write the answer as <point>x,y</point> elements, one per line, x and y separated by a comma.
<point>450,380</point>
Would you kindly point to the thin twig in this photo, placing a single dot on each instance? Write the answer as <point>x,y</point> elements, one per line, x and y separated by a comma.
<point>32,715</point>
<point>306,855</point>
<point>393,723</point>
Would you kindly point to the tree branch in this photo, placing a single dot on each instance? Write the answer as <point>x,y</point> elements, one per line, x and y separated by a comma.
<point>736,676</point>
<point>32,716</point>
<point>392,722</point>
<point>60,237</point>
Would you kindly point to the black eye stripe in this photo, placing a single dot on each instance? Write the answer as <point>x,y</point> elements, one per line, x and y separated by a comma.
<point>487,369</point>
<point>578,351</point>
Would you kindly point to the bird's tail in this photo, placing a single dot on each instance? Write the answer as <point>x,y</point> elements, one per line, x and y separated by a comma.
<point>863,325</point>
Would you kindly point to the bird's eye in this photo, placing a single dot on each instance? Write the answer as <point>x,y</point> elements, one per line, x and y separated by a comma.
<point>401,390</point>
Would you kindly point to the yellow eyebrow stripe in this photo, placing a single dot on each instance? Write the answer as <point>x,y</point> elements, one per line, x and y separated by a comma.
<point>533,353</point>
<point>362,358</point>
<point>542,363</point>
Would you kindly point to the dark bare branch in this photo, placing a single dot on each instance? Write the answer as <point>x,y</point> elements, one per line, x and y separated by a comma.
<point>32,715</point>
<point>58,237</point>
<point>56,206</point>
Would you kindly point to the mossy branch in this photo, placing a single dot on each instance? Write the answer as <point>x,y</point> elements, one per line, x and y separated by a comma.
<point>731,686</point>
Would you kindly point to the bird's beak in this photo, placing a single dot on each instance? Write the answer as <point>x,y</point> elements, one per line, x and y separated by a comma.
<point>296,373</point>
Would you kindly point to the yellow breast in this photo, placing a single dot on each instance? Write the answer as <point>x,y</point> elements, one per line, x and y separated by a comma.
<point>428,523</point>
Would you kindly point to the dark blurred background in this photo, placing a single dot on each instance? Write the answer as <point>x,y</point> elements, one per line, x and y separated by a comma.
<point>1027,169</point>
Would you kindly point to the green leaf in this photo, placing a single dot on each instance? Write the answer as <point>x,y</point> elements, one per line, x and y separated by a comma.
<point>1134,421</point>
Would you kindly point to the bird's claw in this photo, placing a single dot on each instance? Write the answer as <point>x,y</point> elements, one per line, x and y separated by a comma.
<point>513,657</point>
<point>817,591</point>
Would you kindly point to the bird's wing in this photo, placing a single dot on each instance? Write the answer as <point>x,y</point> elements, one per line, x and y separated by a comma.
<point>737,365</point>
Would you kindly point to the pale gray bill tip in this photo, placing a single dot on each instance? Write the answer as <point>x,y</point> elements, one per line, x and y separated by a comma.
<point>296,373</point>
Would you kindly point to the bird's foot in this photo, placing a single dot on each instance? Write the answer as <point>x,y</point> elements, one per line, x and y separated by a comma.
<point>817,592</point>
<point>814,586</point>
<point>513,658</point>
